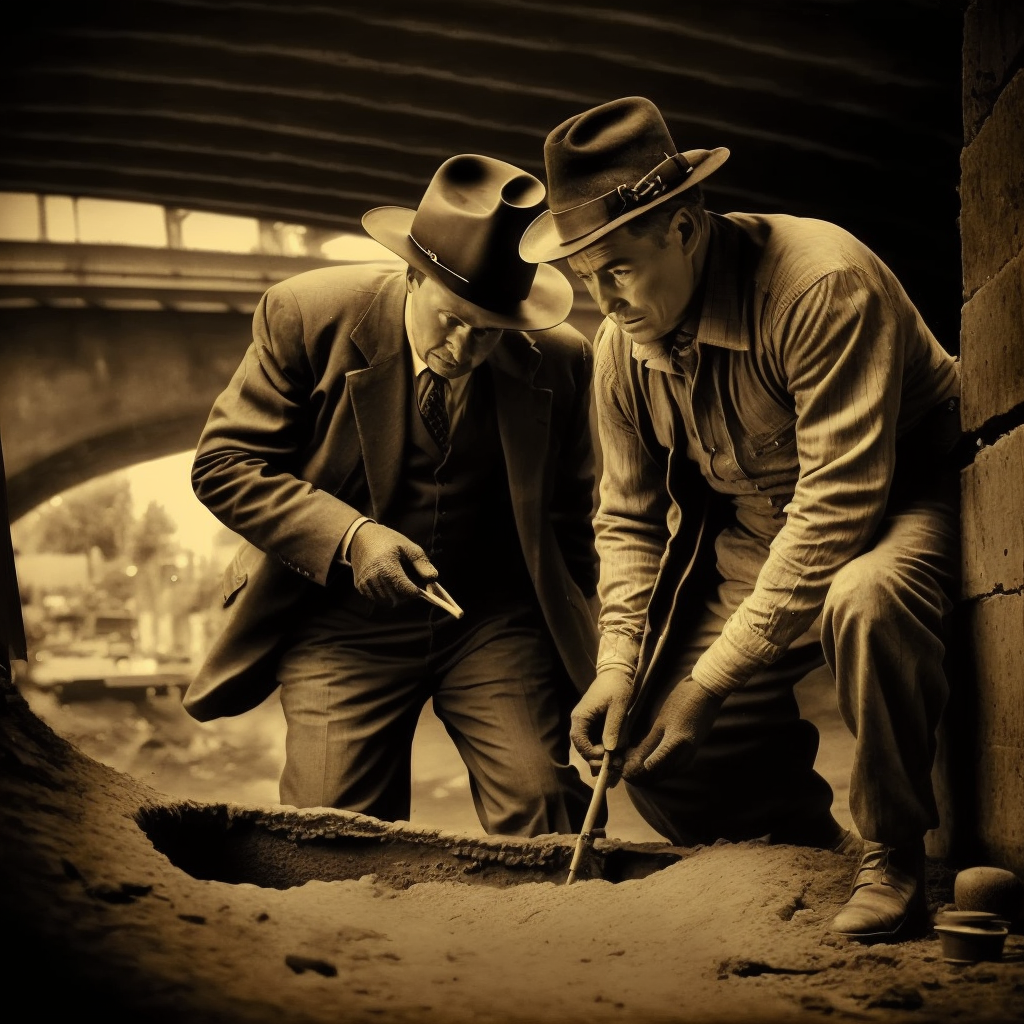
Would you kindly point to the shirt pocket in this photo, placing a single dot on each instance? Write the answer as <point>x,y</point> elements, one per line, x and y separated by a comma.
<point>770,457</point>
<point>771,442</point>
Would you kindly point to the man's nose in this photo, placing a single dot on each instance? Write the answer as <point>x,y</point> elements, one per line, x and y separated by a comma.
<point>460,338</point>
<point>608,298</point>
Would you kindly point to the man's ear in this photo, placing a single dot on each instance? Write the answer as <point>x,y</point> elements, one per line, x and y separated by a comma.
<point>412,280</point>
<point>687,222</point>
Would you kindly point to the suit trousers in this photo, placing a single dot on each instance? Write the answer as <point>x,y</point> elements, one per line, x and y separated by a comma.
<point>882,637</point>
<point>353,687</point>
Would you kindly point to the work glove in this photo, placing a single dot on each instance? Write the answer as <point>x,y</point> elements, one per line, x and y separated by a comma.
<point>680,726</point>
<point>601,712</point>
<point>387,567</point>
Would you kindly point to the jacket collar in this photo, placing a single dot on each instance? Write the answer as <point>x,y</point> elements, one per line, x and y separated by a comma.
<point>380,390</point>
<point>380,333</point>
<point>524,416</point>
<point>516,356</point>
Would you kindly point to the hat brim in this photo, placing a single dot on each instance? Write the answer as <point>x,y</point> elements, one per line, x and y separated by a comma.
<point>548,304</point>
<point>542,244</point>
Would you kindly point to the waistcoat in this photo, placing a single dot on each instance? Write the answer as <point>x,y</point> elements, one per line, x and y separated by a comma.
<point>458,508</point>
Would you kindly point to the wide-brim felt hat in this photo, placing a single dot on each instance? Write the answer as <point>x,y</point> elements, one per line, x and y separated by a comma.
<point>465,235</point>
<point>607,166</point>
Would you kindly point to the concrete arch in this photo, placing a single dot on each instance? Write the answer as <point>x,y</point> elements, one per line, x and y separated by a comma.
<point>86,390</point>
<point>89,391</point>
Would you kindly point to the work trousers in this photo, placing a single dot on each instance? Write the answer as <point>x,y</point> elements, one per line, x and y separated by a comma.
<point>881,634</point>
<point>352,689</point>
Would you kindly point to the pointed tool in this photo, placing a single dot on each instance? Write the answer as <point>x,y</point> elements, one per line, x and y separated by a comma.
<point>437,595</point>
<point>606,777</point>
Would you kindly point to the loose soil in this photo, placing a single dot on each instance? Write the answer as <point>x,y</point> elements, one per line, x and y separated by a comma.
<point>100,924</point>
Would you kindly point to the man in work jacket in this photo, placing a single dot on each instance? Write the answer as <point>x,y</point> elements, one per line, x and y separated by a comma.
<point>773,417</point>
<point>386,431</point>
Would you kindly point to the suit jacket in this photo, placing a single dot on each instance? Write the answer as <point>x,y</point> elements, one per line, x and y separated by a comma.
<point>309,435</point>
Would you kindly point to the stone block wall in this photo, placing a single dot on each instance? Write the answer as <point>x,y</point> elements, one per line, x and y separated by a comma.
<point>992,352</point>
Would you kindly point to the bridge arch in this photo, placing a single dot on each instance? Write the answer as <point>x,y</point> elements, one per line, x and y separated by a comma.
<point>113,354</point>
<point>89,391</point>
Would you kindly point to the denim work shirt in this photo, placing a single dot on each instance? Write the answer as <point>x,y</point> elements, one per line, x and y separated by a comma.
<point>788,384</point>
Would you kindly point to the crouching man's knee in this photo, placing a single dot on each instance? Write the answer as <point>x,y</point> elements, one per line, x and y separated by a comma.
<point>864,595</point>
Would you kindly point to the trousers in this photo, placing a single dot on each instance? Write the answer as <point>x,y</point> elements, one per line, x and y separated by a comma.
<point>881,634</point>
<point>352,689</point>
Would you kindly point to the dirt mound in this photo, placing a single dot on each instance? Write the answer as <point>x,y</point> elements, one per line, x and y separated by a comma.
<point>725,933</point>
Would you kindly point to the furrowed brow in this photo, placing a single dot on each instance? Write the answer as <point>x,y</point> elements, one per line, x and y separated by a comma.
<point>596,264</point>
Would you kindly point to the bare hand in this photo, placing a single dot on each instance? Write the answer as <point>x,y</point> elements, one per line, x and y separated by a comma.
<point>379,558</point>
<point>681,725</point>
<point>601,712</point>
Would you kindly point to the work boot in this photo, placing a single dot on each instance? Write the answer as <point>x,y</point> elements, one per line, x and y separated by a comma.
<point>887,898</point>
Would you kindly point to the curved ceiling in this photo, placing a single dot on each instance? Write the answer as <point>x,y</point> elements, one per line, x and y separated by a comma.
<point>312,113</point>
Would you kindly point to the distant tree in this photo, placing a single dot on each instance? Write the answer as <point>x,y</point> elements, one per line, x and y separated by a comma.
<point>152,534</point>
<point>97,514</point>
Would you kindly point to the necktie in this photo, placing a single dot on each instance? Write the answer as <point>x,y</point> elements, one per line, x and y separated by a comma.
<point>433,407</point>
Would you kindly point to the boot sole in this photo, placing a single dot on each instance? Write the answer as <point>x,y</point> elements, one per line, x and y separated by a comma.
<point>913,926</point>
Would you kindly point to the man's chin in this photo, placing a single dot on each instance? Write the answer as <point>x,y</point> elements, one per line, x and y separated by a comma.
<point>639,333</point>
<point>450,371</point>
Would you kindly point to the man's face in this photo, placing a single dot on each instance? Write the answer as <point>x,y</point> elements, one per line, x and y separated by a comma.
<point>443,330</point>
<point>643,283</point>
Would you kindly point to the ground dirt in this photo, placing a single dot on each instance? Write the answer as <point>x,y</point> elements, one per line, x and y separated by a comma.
<point>102,925</point>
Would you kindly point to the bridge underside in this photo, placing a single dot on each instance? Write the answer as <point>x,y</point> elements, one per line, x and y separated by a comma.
<point>113,355</point>
<point>311,114</point>
<point>88,391</point>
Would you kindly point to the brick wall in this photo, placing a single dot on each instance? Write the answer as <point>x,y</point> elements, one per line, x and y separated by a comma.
<point>992,352</point>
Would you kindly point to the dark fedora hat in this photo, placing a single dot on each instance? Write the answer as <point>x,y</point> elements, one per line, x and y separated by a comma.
<point>604,167</point>
<point>465,235</point>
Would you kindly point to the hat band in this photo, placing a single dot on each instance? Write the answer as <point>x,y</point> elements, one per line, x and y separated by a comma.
<point>432,256</point>
<point>596,213</point>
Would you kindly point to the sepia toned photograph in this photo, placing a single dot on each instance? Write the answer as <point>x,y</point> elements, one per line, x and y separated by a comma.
<point>515,512</point>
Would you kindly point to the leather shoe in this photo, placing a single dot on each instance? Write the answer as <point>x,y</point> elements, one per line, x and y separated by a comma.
<point>887,899</point>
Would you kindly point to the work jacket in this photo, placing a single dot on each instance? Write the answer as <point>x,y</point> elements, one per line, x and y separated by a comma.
<point>770,423</point>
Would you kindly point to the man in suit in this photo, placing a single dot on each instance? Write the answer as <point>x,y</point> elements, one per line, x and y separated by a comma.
<point>391,429</point>
<point>775,420</point>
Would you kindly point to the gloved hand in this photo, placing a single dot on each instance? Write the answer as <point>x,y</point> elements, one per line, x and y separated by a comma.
<point>679,728</point>
<point>387,567</point>
<point>601,711</point>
